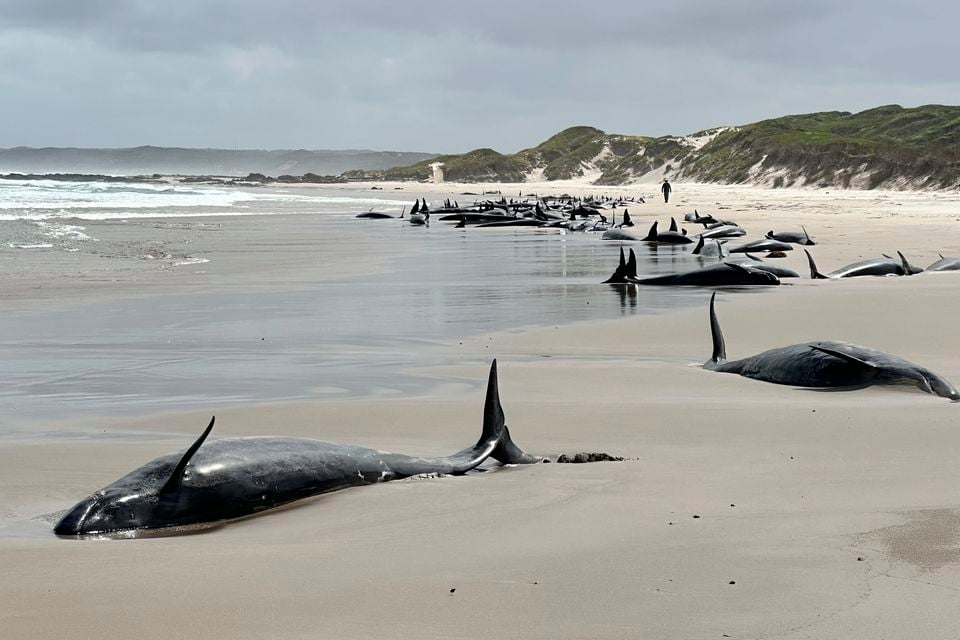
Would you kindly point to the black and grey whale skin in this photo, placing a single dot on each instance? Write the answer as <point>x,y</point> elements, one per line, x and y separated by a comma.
<point>793,237</point>
<point>825,364</point>
<point>666,237</point>
<point>723,231</point>
<point>884,266</point>
<point>780,272</point>
<point>722,274</point>
<point>945,264</point>
<point>762,245</point>
<point>222,480</point>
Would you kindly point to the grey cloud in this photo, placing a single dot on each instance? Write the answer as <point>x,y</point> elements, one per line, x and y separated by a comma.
<point>444,76</point>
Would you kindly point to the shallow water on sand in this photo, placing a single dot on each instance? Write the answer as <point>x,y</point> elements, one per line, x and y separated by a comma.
<point>345,337</point>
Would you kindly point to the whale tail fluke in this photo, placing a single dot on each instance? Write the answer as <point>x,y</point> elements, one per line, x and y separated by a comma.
<point>814,273</point>
<point>619,273</point>
<point>719,346</point>
<point>632,265</point>
<point>908,269</point>
<point>495,427</point>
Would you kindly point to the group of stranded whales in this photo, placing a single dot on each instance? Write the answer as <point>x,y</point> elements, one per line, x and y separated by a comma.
<point>216,482</point>
<point>560,212</point>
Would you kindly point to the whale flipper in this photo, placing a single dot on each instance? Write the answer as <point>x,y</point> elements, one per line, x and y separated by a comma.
<point>736,267</point>
<point>843,356</point>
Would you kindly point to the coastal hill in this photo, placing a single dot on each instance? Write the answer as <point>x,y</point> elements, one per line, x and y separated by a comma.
<point>177,161</point>
<point>888,146</point>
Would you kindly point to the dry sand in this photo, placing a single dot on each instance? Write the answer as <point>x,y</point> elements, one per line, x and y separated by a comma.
<point>744,510</point>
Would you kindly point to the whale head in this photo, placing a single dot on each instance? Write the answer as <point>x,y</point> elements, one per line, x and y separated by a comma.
<point>109,511</point>
<point>151,497</point>
<point>927,381</point>
<point>940,387</point>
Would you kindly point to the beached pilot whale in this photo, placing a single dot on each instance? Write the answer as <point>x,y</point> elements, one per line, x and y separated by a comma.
<point>235,477</point>
<point>793,237</point>
<point>722,274</point>
<point>827,363</point>
<point>945,264</point>
<point>667,237</point>
<point>885,266</point>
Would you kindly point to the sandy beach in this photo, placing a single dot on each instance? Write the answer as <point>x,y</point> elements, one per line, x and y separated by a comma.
<point>742,510</point>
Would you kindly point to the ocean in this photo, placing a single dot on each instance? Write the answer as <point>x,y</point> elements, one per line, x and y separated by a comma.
<point>361,334</point>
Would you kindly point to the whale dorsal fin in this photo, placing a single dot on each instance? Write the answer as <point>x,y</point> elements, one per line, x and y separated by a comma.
<point>623,259</point>
<point>805,233</point>
<point>632,265</point>
<point>673,224</point>
<point>173,483</point>
<point>843,356</point>
<point>652,234</point>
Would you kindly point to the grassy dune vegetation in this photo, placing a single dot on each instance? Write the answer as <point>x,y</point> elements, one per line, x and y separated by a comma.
<point>886,146</point>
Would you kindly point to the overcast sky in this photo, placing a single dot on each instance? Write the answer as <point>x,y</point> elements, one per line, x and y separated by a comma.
<point>448,76</point>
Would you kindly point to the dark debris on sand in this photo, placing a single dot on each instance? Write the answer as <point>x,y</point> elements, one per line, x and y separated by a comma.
<point>588,457</point>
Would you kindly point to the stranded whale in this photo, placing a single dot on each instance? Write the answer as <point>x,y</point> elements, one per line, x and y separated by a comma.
<point>794,237</point>
<point>722,274</point>
<point>884,266</point>
<point>826,363</point>
<point>235,477</point>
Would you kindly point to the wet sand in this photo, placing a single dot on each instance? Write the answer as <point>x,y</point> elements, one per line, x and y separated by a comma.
<point>818,515</point>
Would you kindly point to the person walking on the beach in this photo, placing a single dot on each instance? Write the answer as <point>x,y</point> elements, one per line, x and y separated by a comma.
<point>666,188</point>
